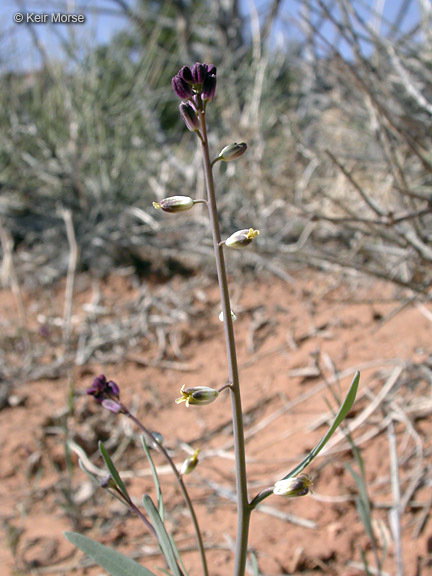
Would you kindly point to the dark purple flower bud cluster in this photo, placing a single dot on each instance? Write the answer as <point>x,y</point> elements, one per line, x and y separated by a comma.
<point>196,83</point>
<point>106,393</point>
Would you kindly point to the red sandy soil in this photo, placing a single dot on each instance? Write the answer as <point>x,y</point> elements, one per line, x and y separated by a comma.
<point>298,346</point>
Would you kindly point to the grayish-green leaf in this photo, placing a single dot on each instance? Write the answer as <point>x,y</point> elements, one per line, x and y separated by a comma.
<point>343,411</point>
<point>113,562</point>
<point>155,479</point>
<point>162,535</point>
<point>113,471</point>
<point>177,555</point>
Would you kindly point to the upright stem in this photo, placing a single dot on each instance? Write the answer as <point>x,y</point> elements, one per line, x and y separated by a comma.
<point>243,506</point>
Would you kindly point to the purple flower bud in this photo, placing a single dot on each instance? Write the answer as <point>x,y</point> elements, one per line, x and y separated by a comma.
<point>113,389</point>
<point>111,405</point>
<point>102,390</point>
<point>199,72</point>
<point>211,70</point>
<point>186,74</point>
<point>189,116</point>
<point>209,88</point>
<point>198,82</point>
<point>97,388</point>
<point>181,88</point>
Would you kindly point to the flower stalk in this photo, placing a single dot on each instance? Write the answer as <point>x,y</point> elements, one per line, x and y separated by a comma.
<point>243,506</point>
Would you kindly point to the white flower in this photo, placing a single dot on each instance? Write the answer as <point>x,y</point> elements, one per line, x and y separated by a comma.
<point>199,395</point>
<point>174,204</point>
<point>241,238</point>
<point>297,486</point>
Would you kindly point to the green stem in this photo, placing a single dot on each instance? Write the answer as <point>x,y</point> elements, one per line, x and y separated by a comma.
<point>181,484</point>
<point>243,507</point>
<point>261,496</point>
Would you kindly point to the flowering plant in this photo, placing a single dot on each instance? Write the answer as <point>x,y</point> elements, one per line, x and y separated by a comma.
<point>196,88</point>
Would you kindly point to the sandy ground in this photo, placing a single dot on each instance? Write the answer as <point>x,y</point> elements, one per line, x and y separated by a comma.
<point>298,347</point>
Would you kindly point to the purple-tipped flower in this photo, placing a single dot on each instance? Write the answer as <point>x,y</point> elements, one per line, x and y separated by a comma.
<point>189,116</point>
<point>182,89</point>
<point>106,393</point>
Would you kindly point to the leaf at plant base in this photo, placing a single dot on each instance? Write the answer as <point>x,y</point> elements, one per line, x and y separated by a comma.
<point>113,562</point>
<point>342,412</point>
<point>162,535</point>
<point>155,479</point>
<point>365,563</point>
<point>361,487</point>
<point>113,470</point>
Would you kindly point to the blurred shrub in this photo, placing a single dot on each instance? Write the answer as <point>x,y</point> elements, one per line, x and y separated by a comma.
<point>97,131</point>
<point>364,141</point>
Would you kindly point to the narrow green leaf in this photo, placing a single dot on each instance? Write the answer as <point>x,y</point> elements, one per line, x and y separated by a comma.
<point>365,518</point>
<point>361,487</point>
<point>177,555</point>
<point>155,479</point>
<point>162,535</point>
<point>365,563</point>
<point>113,471</point>
<point>343,411</point>
<point>113,562</point>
